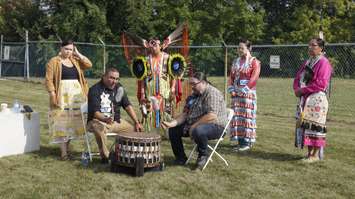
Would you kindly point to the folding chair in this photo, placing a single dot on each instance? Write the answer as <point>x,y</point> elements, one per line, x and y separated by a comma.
<point>225,130</point>
<point>89,136</point>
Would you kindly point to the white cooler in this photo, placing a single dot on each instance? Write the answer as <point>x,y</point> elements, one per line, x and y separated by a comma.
<point>18,133</point>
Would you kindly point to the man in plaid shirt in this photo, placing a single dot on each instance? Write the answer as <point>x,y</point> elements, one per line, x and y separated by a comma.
<point>204,118</point>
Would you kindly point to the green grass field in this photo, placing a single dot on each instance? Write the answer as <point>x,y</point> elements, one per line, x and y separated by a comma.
<point>271,170</point>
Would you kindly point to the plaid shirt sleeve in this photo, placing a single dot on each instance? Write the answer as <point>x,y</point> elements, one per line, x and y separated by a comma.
<point>213,101</point>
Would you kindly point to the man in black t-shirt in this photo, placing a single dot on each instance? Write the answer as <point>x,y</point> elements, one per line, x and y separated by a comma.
<point>105,99</point>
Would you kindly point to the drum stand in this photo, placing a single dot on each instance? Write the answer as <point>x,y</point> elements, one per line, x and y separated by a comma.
<point>138,170</point>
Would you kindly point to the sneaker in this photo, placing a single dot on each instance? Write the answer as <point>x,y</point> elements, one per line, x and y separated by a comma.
<point>236,148</point>
<point>201,161</point>
<point>244,148</point>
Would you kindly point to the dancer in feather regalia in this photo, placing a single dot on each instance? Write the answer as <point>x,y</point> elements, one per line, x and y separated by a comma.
<point>158,73</point>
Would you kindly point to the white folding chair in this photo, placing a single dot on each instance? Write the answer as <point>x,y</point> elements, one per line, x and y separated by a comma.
<point>213,149</point>
<point>89,136</point>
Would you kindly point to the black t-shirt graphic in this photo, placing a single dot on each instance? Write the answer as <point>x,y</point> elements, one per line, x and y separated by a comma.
<point>107,101</point>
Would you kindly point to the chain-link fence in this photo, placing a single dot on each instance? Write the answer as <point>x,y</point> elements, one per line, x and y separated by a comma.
<point>27,60</point>
<point>12,62</point>
<point>276,60</point>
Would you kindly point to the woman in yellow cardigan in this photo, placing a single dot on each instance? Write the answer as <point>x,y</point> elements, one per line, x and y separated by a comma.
<point>67,89</point>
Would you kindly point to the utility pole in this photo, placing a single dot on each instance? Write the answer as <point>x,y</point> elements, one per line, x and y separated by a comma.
<point>224,45</point>
<point>1,41</point>
<point>27,64</point>
<point>104,54</point>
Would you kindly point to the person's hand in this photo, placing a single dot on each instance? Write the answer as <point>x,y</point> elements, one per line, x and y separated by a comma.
<point>232,91</point>
<point>53,102</point>
<point>298,93</point>
<point>77,54</point>
<point>108,120</point>
<point>138,127</point>
<point>142,101</point>
<point>167,125</point>
<point>244,89</point>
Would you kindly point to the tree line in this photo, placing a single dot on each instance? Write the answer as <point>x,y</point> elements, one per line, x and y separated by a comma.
<point>210,21</point>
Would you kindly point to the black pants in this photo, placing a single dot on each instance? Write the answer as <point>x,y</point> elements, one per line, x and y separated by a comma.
<point>201,134</point>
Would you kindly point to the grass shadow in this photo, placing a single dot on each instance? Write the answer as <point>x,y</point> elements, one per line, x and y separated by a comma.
<point>96,166</point>
<point>53,152</point>
<point>258,154</point>
<point>274,156</point>
<point>46,151</point>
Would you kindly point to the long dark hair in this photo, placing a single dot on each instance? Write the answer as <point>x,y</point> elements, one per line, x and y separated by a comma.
<point>246,42</point>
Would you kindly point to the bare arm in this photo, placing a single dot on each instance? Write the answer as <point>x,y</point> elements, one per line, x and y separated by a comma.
<point>129,109</point>
<point>132,114</point>
<point>177,121</point>
<point>255,74</point>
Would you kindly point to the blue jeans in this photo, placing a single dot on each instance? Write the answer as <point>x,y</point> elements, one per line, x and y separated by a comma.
<point>201,134</point>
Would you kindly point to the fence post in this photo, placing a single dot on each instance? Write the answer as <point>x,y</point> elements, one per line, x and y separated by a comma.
<point>224,45</point>
<point>104,54</point>
<point>27,64</point>
<point>1,40</point>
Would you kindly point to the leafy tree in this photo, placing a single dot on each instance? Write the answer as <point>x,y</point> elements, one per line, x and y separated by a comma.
<point>19,16</point>
<point>263,22</point>
<point>294,21</point>
<point>80,20</point>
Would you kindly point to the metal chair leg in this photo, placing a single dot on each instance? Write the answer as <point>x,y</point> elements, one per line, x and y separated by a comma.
<point>190,155</point>
<point>214,151</point>
<point>88,145</point>
<point>219,155</point>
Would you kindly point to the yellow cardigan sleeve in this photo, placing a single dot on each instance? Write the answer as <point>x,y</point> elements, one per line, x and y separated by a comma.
<point>49,81</point>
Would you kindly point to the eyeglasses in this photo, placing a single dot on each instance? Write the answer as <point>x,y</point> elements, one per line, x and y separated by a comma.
<point>194,83</point>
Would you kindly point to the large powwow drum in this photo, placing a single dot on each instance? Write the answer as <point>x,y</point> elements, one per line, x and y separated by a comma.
<point>133,147</point>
